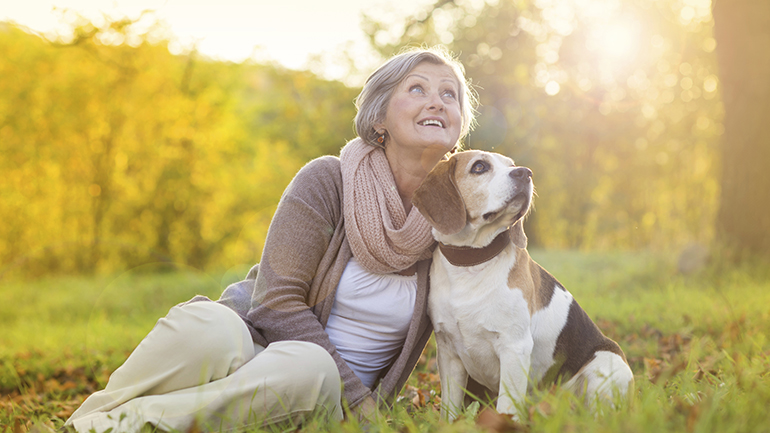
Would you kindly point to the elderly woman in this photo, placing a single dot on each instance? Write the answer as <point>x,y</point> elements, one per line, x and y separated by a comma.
<point>335,313</point>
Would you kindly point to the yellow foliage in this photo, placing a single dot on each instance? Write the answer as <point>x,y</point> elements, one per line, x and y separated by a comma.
<point>114,155</point>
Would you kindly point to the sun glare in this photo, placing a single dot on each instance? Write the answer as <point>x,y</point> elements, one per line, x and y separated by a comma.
<point>618,42</point>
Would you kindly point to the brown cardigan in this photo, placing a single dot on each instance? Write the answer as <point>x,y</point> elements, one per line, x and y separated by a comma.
<point>290,294</point>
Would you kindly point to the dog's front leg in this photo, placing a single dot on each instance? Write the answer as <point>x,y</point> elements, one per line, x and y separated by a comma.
<point>454,379</point>
<point>514,373</point>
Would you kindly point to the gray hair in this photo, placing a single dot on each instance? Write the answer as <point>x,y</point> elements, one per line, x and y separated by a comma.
<point>372,102</point>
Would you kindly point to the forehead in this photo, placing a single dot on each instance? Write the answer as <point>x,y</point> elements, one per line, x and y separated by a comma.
<point>433,71</point>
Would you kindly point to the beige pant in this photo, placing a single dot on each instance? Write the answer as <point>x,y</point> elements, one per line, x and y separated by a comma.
<point>199,367</point>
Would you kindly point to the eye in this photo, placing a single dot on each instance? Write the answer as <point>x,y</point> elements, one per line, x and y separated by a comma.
<point>450,93</point>
<point>416,89</point>
<point>479,167</point>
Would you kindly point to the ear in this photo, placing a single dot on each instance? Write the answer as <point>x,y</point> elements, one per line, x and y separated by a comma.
<point>439,200</point>
<point>517,234</point>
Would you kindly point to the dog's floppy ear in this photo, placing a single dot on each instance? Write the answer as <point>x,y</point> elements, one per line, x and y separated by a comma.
<point>517,234</point>
<point>439,200</point>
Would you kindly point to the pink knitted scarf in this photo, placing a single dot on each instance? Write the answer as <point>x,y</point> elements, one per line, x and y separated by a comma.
<point>383,238</point>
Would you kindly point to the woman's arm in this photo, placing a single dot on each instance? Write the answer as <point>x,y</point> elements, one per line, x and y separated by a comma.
<point>304,226</point>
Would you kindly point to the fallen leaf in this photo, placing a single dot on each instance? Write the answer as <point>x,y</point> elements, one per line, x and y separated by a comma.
<point>429,378</point>
<point>658,370</point>
<point>492,421</point>
<point>653,368</point>
<point>692,418</point>
<point>692,411</point>
<point>419,399</point>
<point>544,408</point>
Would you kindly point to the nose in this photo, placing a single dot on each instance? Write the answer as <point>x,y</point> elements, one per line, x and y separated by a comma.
<point>436,103</point>
<point>521,173</point>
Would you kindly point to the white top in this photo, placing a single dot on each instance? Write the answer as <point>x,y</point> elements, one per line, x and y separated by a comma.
<point>370,318</point>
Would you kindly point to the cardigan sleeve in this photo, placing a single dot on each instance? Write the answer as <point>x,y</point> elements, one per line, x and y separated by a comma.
<point>300,234</point>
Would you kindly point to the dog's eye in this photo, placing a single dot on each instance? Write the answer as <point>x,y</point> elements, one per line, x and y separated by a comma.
<point>479,167</point>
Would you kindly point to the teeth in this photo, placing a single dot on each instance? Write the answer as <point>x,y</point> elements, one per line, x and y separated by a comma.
<point>432,122</point>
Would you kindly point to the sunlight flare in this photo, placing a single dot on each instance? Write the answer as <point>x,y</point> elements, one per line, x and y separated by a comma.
<point>616,42</point>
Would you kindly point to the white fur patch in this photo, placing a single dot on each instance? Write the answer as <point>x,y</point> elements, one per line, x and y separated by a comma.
<point>547,324</point>
<point>606,376</point>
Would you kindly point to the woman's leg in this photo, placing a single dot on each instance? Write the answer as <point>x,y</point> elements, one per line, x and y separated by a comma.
<point>194,344</point>
<point>289,380</point>
<point>198,366</point>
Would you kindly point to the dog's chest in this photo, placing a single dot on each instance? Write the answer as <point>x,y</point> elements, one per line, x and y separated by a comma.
<point>477,314</point>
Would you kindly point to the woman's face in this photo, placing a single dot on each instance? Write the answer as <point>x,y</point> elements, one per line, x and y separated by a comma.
<point>424,110</point>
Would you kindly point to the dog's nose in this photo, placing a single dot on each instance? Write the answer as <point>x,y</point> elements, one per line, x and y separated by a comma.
<point>521,173</point>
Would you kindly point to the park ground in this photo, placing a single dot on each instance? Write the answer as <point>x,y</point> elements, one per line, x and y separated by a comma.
<point>697,343</point>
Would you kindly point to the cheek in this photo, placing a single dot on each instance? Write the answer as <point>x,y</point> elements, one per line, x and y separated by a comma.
<point>456,118</point>
<point>398,109</point>
<point>456,113</point>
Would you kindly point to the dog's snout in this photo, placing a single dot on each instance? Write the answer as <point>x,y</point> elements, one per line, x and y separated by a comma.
<point>521,173</point>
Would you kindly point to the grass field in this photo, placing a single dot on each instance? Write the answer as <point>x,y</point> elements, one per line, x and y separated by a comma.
<point>698,346</point>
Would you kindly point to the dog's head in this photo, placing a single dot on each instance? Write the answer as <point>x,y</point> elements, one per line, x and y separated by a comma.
<point>473,196</point>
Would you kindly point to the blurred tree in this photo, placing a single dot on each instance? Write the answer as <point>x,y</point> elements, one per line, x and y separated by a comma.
<point>742,31</point>
<point>115,153</point>
<point>613,104</point>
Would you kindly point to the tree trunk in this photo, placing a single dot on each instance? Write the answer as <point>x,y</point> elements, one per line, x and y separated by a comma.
<point>742,32</point>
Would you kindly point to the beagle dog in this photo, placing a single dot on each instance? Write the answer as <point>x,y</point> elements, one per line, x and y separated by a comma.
<point>499,317</point>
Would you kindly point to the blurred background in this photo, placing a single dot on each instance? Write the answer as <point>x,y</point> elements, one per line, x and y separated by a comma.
<point>122,144</point>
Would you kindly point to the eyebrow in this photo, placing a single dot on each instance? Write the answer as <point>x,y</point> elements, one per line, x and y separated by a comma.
<point>451,80</point>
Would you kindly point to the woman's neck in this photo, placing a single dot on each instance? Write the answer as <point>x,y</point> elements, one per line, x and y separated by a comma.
<point>409,170</point>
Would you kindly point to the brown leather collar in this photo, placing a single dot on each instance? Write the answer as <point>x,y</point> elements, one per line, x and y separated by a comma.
<point>469,256</point>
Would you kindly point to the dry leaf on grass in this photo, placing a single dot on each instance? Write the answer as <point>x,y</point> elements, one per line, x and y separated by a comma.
<point>417,396</point>
<point>658,371</point>
<point>543,408</point>
<point>691,411</point>
<point>491,421</point>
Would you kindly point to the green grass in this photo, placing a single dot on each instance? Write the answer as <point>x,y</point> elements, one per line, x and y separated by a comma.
<point>698,346</point>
